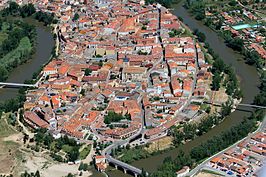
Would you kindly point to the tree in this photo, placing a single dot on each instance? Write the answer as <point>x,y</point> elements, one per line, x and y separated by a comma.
<point>37,174</point>
<point>201,36</point>
<point>252,57</point>
<point>88,71</point>
<point>216,81</point>
<point>27,10</point>
<point>226,108</point>
<point>233,3</point>
<point>81,166</point>
<point>70,175</point>
<point>76,17</point>
<point>82,92</point>
<point>236,43</point>
<point>113,117</point>
<point>3,73</point>
<point>73,155</point>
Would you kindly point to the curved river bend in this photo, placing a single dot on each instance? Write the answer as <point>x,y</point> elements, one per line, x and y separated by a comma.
<point>249,85</point>
<point>44,47</point>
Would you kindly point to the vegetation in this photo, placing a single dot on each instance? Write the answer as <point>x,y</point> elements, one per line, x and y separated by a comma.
<point>88,71</point>
<point>197,8</point>
<point>26,174</point>
<point>67,145</point>
<point>114,117</point>
<point>12,105</point>
<point>252,58</point>
<point>260,99</point>
<point>76,17</point>
<point>133,154</point>
<point>201,36</point>
<point>85,152</point>
<point>28,10</point>
<point>17,46</point>
<point>46,18</point>
<point>83,166</point>
<point>165,3</point>
<point>175,32</point>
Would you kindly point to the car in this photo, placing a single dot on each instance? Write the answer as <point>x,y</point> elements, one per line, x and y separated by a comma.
<point>230,173</point>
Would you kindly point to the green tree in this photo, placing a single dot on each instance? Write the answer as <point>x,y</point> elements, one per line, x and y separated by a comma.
<point>88,71</point>
<point>216,81</point>
<point>3,73</point>
<point>73,155</point>
<point>76,17</point>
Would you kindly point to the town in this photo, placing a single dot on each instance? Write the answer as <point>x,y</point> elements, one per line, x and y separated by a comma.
<point>124,73</point>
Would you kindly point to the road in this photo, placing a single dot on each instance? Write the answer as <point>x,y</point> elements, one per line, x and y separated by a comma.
<point>204,163</point>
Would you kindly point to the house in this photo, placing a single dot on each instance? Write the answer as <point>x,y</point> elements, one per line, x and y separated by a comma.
<point>100,163</point>
<point>135,74</point>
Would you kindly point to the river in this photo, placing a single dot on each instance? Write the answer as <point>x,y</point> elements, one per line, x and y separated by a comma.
<point>249,82</point>
<point>44,47</point>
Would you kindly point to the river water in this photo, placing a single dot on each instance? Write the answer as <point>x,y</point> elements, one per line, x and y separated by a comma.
<point>44,46</point>
<point>249,82</point>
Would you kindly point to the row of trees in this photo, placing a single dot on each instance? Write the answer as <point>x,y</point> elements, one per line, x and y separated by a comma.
<point>260,99</point>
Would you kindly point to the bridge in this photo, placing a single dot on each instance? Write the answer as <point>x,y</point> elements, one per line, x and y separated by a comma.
<point>3,84</point>
<point>126,167</point>
<point>240,104</point>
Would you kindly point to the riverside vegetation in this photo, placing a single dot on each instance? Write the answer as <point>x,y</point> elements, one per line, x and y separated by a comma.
<point>17,44</point>
<point>17,37</point>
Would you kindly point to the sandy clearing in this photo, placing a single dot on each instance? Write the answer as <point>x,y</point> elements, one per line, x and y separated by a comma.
<point>49,168</point>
